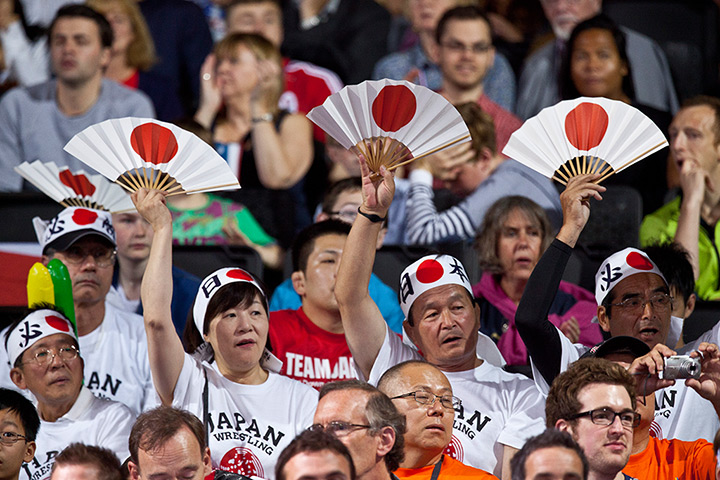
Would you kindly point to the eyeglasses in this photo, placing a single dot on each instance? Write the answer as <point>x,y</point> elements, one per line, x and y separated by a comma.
<point>45,356</point>
<point>103,257</point>
<point>339,429</point>
<point>11,438</point>
<point>660,302</point>
<point>347,215</point>
<point>606,417</point>
<point>428,398</point>
<point>476,48</point>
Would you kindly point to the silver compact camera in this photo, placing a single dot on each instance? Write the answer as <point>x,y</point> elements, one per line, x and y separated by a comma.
<point>681,366</point>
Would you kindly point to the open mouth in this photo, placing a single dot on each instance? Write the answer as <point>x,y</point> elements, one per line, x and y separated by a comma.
<point>245,343</point>
<point>451,339</point>
<point>648,333</point>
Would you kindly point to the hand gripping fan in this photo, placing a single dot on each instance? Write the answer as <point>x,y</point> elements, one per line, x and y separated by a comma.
<point>76,189</point>
<point>390,122</point>
<point>145,153</point>
<point>584,135</point>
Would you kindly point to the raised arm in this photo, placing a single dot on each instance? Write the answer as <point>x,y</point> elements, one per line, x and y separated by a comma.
<point>694,181</point>
<point>539,335</point>
<point>164,346</point>
<point>362,321</point>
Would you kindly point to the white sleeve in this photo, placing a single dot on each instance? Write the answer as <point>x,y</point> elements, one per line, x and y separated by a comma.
<point>392,352</point>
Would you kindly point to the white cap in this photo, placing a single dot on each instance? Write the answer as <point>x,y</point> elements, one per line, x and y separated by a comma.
<point>618,267</point>
<point>38,325</point>
<point>72,224</point>
<point>429,272</point>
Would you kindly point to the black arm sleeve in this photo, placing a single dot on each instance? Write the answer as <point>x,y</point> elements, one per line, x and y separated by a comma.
<point>540,336</point>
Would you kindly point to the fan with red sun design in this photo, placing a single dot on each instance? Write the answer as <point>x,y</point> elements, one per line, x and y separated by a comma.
<point>76,189</point>
<point>390,122</point>
<point>145,153</point>
<point>585,135</point>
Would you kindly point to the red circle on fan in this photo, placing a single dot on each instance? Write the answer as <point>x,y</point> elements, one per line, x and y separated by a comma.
<point>239,274</point>
<point>454,449</point>
<point>242,460</point>
<point>78,183</point>
<point>57,323</point>
<point>638,261</point>
<point>429,271</point>
<point>394,107</point>
<point>585,125</point>
<point>84,217</point>
<point>154,143</point>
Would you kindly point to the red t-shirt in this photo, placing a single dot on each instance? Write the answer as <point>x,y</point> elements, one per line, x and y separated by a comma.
<point>673,460</point>
<point>309,354</point>
<point>451,468</point>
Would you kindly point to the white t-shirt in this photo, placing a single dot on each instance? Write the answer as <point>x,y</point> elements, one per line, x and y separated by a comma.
<point>680,412</point>
<point>92,421</point>
<point>498,408</point>
<point>249,425</point>
<point>116,361</point>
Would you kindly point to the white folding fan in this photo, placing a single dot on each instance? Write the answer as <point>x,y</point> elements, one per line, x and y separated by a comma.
<point>76,189</point>
<point>390,122</point>
<point>145,153</point>
<point>584,135</point>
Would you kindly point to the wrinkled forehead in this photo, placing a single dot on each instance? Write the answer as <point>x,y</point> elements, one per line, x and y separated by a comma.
<point>342,405</point>
<point>439,297</point>
<point>639,284</point>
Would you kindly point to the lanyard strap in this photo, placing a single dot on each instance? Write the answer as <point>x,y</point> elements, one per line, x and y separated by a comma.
<point>436,470</point>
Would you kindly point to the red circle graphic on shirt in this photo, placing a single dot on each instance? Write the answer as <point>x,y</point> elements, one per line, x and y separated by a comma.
<point>78,183</point>
<point>429,271</point>
<point>239,274</point>
<point>585,125</point>
<point>394,107</point>
<point>57,323</point>
<point>454,449</point>
<point>154,143</point>
<point>242,460</point>
<point>84,217</point>
<point>638,261</point>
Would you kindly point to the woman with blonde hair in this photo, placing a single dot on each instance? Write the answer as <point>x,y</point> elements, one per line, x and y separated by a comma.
<point>270,149</point>
<point>133,55</point>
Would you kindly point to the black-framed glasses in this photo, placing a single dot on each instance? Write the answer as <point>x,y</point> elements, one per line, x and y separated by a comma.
<point>660,302</point>
<point>11,438</point>
<point>339,429</point>
<point>606,417</point>
<point>45,356</point>
<point>103,257</point>
<point>428,398</point>
<point>476,48</point>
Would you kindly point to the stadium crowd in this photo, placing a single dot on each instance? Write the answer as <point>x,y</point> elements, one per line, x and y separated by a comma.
<point>485,355</point>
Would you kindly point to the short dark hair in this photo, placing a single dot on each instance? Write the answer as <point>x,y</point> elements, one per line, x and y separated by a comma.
<point>313,441</point>
<point>83,11</point>
<point>234,3</point>
<point>155,427</point>
<point>707,101</point>
<point>488,235</point>
<point>562,402</point>
<point>349,184</point>
<point>305,241</point>
<point>673,261</point>
<point>481,127</point>
<point>16,403</point>
<point>467,12</point>
<point>598,22</point>
<point>395,372</point>
<point>380,412</point>
<point>548,439</point>
<point>103,459</point>
<point>19,320</point>
<point>716,443</point>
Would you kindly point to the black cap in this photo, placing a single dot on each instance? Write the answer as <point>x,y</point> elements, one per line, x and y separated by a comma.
<point>620,344</point>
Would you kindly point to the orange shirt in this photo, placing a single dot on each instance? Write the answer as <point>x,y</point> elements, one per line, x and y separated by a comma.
<point>451,468</point>
<point>673,459</point>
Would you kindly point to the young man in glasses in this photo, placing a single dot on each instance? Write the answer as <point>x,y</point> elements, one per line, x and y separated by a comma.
<point>43,351</point>
<point>113,342</point>
<point>422,393</point>
<point>19,425</point>
<point>594,401</point>
<point>633,299</point>
<point>365,420</point>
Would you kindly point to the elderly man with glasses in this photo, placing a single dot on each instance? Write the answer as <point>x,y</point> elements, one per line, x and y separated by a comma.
<point>365,420</point>
<point>44,353</point>
<point>422,393</point>
<point>113,342</point>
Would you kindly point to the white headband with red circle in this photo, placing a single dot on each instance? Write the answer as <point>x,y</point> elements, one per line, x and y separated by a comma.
<point>36,326</point>
<point>430,272</point>
<point>618,267</point>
